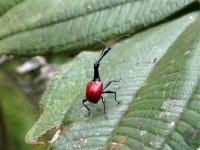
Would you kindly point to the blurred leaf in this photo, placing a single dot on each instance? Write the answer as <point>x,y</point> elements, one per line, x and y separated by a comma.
<point>8,4</point>
<point>39,26</point>
<point>18,114</point>
<point>148,91</point>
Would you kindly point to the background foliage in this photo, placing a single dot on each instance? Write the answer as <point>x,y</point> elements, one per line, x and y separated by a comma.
<point>159,66</point>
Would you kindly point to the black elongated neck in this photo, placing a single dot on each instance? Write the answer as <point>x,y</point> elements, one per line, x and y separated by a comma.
<point>96,72</point>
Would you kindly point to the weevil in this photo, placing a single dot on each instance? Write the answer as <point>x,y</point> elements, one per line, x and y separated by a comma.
<point>95,89</point>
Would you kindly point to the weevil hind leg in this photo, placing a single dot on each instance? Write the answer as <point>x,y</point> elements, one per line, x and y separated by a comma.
<point>87,115</point>
<point>104,106</point>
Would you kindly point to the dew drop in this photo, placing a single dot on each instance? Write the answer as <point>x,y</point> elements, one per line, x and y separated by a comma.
<point>164,94</point>
<point>151,143</point>
<point>89,6</point>
<point>81,140</point>
<point>164,114</point>
<point>173,61</point>
<point>85,141</point>
<point>186,53</point>
<point>143,132</point>
<point>191,18</point>
<point>172,124</point>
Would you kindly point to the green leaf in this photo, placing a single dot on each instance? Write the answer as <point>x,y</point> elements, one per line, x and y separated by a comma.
<point>165,112</point>
<point>39,26</point>
<point>147,89</point>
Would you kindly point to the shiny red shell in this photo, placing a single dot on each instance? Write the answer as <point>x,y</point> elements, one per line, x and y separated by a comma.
<point>93,91</point>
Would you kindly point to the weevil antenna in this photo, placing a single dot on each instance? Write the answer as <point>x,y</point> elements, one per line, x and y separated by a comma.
<point>101,42</point>
<point>118,39</point>
<point>108,47</point>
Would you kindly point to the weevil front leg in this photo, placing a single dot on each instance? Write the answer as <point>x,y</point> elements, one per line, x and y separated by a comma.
<point>112,92</point>
<point>110,83</point>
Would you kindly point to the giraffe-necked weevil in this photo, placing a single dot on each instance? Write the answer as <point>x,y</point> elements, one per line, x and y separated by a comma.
<point>95,89</point>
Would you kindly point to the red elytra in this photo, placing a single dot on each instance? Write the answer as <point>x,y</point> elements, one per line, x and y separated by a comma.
<point>94,90</point>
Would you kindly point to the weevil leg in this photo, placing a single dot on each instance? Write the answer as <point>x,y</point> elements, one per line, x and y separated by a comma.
<point>86,107</point>
<point>112,92</point>
<point>104,106</point>
<point>107,84</point>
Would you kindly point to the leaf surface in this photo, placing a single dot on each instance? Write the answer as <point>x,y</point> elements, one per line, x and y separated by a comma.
<point>165,112</point>
<point>39,26</point>
<point>133,61</point>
